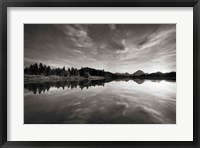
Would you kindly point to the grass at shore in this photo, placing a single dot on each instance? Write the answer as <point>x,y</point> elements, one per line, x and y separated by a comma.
<point>42,78</point>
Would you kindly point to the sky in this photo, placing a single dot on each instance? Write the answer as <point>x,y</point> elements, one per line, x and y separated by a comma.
<point>112,47</point>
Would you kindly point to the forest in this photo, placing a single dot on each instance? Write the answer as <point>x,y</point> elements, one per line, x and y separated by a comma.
<point>42,69</point>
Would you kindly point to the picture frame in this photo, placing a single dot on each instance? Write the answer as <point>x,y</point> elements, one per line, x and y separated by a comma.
<point>99,3</point>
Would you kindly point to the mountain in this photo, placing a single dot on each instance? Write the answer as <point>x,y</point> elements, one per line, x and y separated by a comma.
<point>138,73</point>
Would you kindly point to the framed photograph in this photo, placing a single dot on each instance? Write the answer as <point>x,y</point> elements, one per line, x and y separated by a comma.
<point>99,73</point>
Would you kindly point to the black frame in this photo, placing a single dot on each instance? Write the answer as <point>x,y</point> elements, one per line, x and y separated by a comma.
<point>99,3</point>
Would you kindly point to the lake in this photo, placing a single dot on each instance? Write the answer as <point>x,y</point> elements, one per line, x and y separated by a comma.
<point>96,102</point>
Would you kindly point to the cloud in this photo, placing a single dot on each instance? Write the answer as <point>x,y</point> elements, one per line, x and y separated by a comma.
<point>124,47</point>
<point>159,46</point>
<point>78,36</point>
<point>113,47</point>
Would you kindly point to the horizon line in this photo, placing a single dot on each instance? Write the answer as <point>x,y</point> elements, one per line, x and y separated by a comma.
<point>54,67</point>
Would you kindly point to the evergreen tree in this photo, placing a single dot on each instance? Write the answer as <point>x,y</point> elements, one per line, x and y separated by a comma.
<point>45,69</point>
<point>48,71</point>
<point>41,69</point>
<point>72,71</point>
<point>69,72</point>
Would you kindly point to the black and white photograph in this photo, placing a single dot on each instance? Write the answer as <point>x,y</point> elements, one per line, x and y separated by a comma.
<point>100,74</point>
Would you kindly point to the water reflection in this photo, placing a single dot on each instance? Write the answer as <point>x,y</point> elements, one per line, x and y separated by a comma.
<point>117,102</point>
<point>45,86</point>
<point>139,81</point>
<point>38,88</point>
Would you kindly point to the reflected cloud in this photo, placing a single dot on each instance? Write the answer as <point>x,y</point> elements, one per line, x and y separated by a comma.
<point>116,103</point>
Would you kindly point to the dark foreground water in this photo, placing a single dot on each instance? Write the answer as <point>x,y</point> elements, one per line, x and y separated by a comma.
<point>96,102</point>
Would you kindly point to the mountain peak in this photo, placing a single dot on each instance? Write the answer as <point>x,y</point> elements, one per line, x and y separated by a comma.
<point>138,73</point>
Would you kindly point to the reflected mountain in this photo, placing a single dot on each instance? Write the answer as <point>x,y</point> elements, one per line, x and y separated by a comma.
<point>139,81</point>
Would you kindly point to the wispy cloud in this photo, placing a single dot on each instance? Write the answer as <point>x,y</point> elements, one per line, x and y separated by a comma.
<point>113,47</point>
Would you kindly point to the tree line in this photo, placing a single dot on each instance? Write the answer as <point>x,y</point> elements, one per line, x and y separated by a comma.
<point>42,69</point>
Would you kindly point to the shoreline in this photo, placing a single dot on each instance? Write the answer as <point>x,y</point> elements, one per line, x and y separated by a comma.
<point>54,78</point>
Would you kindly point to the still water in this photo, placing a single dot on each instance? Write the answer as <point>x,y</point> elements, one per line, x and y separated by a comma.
<point>96,102</point>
